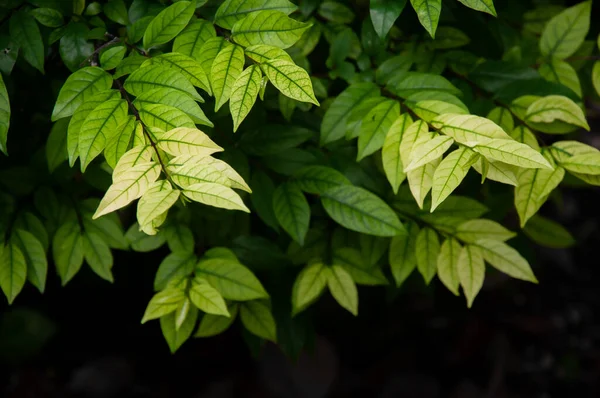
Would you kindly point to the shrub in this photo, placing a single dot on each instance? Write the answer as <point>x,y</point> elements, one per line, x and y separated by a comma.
<point>307,147</point>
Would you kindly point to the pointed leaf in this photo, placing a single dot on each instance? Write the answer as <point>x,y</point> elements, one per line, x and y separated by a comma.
<point>402,256</point>
<point>159,76</point>
<point>25,33</point>
<point>79,87</point>
<point>231,279</point>
<point>473,230</point>
<point>449,174</point>
<point>512,152</point>
<point>565,32</point>
<point>360,270</point>
<point>190,40</point>
<point>186,141</point>
<point>375,127</point>
<point>176,337</point>
<point>556,107</point>
<point>243,94</point>
<point>506,259</point>
<point>290,79</point>
<point>427,249</point>
<point>292,211</point>
<point>225,70</point>
<point>56,146</point>
<point>212,325</point>
<point>121,141</point>
<point>175,99</point>
<point>163,117</point>
<point>174,268</point>
<point>207,298</point>
<point>158,199</point>
<point>497,171</point>
<point>447,264</point>
<point>180,238</point>
<point>428,12</point>
<point>309,285</point>
<point>98,255</point>
<point>343,288</point>
<point>390,154</point>
<point>216,195</point>
<point>561,72</point>
<point>587,163</point>
<point>67,250</point>
<point>187,66</point>
<point>168,23</point>
<point>533,188</point>
<point>471,272</point>
<point>420,181</point>
<point>270,27</point>
<point>384,13</point>
<point>256,316</point>
<point>4,115</point>
<point>318,179</point>
<point>232,11</point>
<point>502,117</point>
<point>481,5</point>
<point>469,128</point>
<point>263,53</point>
<point>410,83</point>
<point>186,170</point>
<point>548,233</point>
<point>428,152</point>
<point>13,271</point>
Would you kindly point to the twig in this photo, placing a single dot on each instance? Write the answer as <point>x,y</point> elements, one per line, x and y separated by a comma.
<point>114,40</point>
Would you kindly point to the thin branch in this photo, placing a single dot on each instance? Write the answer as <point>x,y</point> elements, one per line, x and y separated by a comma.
<point>97,51</point>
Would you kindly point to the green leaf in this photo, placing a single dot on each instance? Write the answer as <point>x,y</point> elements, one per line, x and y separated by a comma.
<point>333,126</point>
<point>34,255</point>
<point>428,151</point>
<point>243,94</point>
<point>473,230</point>
<point>158,76</point>
<point>526,136</point>
<point>262,53</point>
<point>262,198</point>
<point>342,288</point>
<point>428,12</point>
<point>74,46</point>
<point>108,227</point>
<point>556,108</point>
<point>506,259</point>
<point>588,163</point>
<point>207,298</point>
<point>142,242</point>
<point>80,87</point>
<point>533,188</point>
<point>112,57</point>
<point>174,99</point>
<point>226,68</point>
<point>116,11</point>
<point>163,303</point>
<point>548,233</point>
<point>136,156</point>
<point>187,66</point>
<point>174,268</point>
<point>565,32</point>
<point>309,285</point>
<point>67,250</point>
<point>292,211</point>
<point>420,181</point>
<point>212,325</point>
<point>232,11</point>
<point>390,154</point>
<point>448,37</point>
<point>384,13</point>
<point>98,255</point>
<point>231,279</point>
<point>48,17</point>
<point>361,271</point>
<point>209,50</point>
<point>25,32</point>
<point>393,66</point>
<point>256,316</point>
<point>180,238</point>
<point>290,79</point>
<point>190,41</point>
<point>336,12</point>
<point>502,117</point>
<point>481,5</point>
<point>130,186</point>
<point>467,129</point>
<point>596,76</point>
<point>272,139</point>
<point>447,264</point>
<point>176,337</point>
<point>169,23</point>
<point>471,272</point>
<point>163,118</point>
<point>99,127</point>
<point>449,174</point>
<point>187,170</point>
<point>402,257</point>
<point>130,64</point>
<point>4,115</point>
<point>359,210</point>
<point>430,109</point>
<point>318,179</point>
<point>427,248</point>
<point>270,27</point>
<point>56,147</point>
<point>497,171</point>
<point>158,199</point>
<point>512,152</point>
<point>136,30</point>
<point>561,72</point>
<point>186,141</point>
<point>409,83</point>
<point>216,195</point>
<point>375,127</point>
<point>13,270</point>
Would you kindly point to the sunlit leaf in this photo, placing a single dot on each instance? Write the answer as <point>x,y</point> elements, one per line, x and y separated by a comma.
<point>243,94</point>
<point>232,11</point>
<point>449,174</point>
<point>343,289</point>
<point>506,259</point>
<point>216,195</point>
<point>565,32</point>
<point>231,279</point>
<point>309,286</point>
<point>79,87</point>
<point>207,298</point>
<point>271,27</point>
<point>225,70</point>
<point>428,12</point>
<point>290,79</point>
<point>471,272</point>
<point>447,264</point>
<point>256,316</point>
<point>168,23</point>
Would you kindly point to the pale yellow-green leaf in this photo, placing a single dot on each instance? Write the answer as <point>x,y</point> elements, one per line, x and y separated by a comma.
<point>390,153</point>
<point>270,27</point>
<point>563,150</point>
<point>256,316</point>
<point>309,285</point>
<point>447,264</point>
<point>373,127</point>
<point>533,188</point>
<point>121,142</point>
<point>473,230</point>
<point>471,272</point>
<point>189,42</point>
<point>420,181</point>
<point>588,163</point>
<point>526,136</point>
<point>186,170</point>
<point>502,117</point>
<point>186,141</point>
<point>520,105</point>
<point>164,117</point>
<point>415,133</point>
<point>506,259</point>
<point>290,79</point>
<point>430,109</point>
<point>159,76</point>
<point>343,289</point>
<point>264,52</point>
<point>449,174</point>
<point>428,151</point>
<point>137,155</point>
<point>187,66</point>
<point>566,31</point>
<point>497,171</point>
<point>159,198</point>
<point>512,152</point>
<point>596,76</point>
<point>559,71</point>
<point>243,94</point>
<point>231,11</point>
<point>207,298</point>
<point>225,70</point>
<point>128,187</point>
<point>162,303</point>
<point>216,195</point>
<point>556,108</point>
<point>428,12</point>
<point>427,249</point>
<point>469,128</point>
<point>209,51</point>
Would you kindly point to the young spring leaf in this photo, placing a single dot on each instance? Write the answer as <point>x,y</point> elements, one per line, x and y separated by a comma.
<point>216,195</point>
<point>342,288</point>
<point>384,13</point>
<point>533,188</point>
<point>427,248</point>
<point>174,99</point>
<point>163,117</point>
<point>360,210</point>
<point>79,87</point>
<point>375,126</point>
<point>174,336</point>
<point>497,171</point>
<point>481,5</point>
<point>410,83</point>
<point>137,155</point>
<point>174,268</point>
<point>159,76</point>
<point>449,174</point>
<point>588,163</point>
<point>556,108</point>
<point>447,264</point>
<point>512,152</point>
<point>420,181</point>
<point>159,198</point>
<point>25,32</point>
<point>292,211</point>
<point>186,141</point>
<point>428,151</point>
<point>290,79</point>
<point>189,42</point>
<point>4,115</point>
<point>473,230</point>
<point>471,272</point>
<point>232,11</point>
<point>561,72</point>
<point>390,154</point>
<point>13,270</point>
<point>428,12</point>
<point>212,325</point>
<point>361,271</point>
<point>565,32</point>
<point>233,280</point>
<point>506,259</point>
<point>263,53</point>
<point>428,110</point>
<point>35,257</point>
<point>168,23</point>
<point>526,136</point>
<point>309,285</point>
<point>469,128</point>
<point>548,233</point>
<point>256,316</point>
<point>270,27</point>
<point>67,250</point>
<point>186,170</point>
<point>98,255</point>
<point>207,298</point>
<point>187,66</point>
<point>503,118</point>
<point>243,94</point>
<point>225,70</point>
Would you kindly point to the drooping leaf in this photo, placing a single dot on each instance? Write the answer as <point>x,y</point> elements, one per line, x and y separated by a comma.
<point>506,259</point>
<point>548,233</point>
<point>447,264</point>
<point>187,170</point>
<point>309,285</point>
<point>471,272</point>
<point>226,69</point>
<point>271,27</point>
<point>169,23</point>
<point>264,52</point>
<point>473,230</point>
<point>186,141</point>
<point>561,72</point>
<point>243,94</point>
<point>290,79</point>
<point>427,248</point>
<point>512,152</point>
<point>216,195</point>
<point>56,146</point>
<point>163,117</point>
<point>481,5</point>
<point>233,280</point>
<point>13,270</point>
<point>318,179</point>
<point>292,211</point>
<point>384,13</point>
<point>173,98</point>
<point>428,12</point>
<point>449,174</point>
<point>67,250</point>
<point>359,210</point>
<point>428,151</point>
<point>34,255</point>
<point>375,127</point>
<point>98,255</point>
<point>556,108</point>
<point>207,298</point>
<point>174,336</point>
<point>390,153</point>
<point>256,316</point>
<point>25,32</point>
<point>467,129</point>
<point>420,180</point>
<point>565,32</point>
<point>497,171</point>
<point>212,325</point>
<point>159,198</point>
<point>79,87</point>
<point>402,256</point>
<point>174,268</point>
<point>343,288</point>
<point>533,188</point>
<point>362,273</point>
<point>232,11</point>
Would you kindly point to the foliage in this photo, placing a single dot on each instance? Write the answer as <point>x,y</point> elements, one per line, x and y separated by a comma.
<point>271,150</point>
